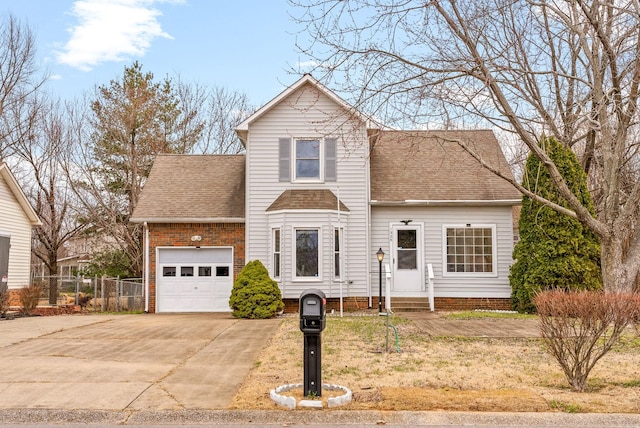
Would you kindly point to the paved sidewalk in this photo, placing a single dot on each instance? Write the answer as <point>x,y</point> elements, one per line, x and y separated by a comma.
<point>127,362</point>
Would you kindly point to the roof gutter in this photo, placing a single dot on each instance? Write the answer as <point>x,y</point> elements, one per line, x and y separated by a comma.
<point>445,203</point>
<point>187,220</point>
<point>146,267</point>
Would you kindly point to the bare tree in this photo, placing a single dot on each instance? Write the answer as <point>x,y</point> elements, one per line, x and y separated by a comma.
<point>220,110</point>
<point>18,81</point>
<point>570,70</point>
<point>41,151</point>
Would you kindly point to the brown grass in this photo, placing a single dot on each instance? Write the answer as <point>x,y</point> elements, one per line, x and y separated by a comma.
<point>445,373</point>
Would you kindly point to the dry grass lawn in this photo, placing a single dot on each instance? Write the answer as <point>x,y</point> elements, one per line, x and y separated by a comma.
<point>443,373</point>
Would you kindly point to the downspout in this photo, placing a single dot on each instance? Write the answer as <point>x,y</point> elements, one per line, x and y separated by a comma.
<point>146,268</point>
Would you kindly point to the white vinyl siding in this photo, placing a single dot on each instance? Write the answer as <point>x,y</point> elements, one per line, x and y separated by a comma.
<point>15,223</point>
<point>304,114</point>
<point>495,285</point>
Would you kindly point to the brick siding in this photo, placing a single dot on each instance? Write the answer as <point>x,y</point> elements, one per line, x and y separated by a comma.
<point>441,304</point>
<point>179,235</point>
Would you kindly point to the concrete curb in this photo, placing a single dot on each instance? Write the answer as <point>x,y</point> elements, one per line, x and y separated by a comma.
<point>322,417</point>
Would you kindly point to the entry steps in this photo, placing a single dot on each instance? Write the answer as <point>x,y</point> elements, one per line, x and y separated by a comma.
<point>409,304</point>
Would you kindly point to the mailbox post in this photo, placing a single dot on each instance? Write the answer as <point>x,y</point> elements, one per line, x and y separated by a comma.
<point>312,321</point>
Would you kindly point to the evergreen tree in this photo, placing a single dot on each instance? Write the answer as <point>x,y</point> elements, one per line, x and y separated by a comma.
<point>255,294</point>
<point>133,119</point>
<point>555,251</point>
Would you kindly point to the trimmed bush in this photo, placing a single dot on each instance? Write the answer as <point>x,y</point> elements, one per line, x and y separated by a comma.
<point>255,294</point>
<point>580,327</point>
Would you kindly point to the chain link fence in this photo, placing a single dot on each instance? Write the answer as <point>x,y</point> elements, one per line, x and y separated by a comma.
<point>94,294</point>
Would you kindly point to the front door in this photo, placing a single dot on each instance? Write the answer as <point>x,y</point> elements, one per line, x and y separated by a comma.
<point>408,277</point>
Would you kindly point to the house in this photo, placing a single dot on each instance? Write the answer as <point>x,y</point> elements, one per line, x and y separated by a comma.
<point>17,218</point>
<point>319,191</point>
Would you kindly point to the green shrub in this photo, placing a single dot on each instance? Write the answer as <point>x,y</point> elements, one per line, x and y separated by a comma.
<point>255,294</point>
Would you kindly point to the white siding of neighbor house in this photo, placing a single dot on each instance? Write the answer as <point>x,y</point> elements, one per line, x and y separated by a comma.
<point>15,223</point>
<point>309,113</point>
<point>433,219</point>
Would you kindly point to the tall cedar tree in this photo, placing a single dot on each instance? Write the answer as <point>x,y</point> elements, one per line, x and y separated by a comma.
<point>555,251</point>
<point>134,119</point>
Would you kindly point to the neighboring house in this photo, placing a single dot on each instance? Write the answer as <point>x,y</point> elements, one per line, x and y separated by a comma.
<point>17,218</point>
<point>319,191</point>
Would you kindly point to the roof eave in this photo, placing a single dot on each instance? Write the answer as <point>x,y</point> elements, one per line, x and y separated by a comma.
<point>19,195</point>
<point>187,219</point>
<point>307,211</point>
<point>243,127</point>
<point>445,203</point>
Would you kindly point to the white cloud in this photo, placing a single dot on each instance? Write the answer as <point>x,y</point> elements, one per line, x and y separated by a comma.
<point>308,64</point>
<point>110,30</point>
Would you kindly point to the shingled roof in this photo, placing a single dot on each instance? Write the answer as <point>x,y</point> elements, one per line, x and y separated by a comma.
<point>193,188</point>
<point>431,167</point>
<point>307,199</point>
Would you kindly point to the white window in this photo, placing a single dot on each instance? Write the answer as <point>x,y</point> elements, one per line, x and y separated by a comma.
<point>337,245</point>
<point>276,253</point>
<point>307,253</point>
<point>470,250</point>
<point>307,159</point>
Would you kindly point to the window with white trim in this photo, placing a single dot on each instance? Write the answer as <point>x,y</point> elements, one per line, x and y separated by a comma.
<point>307,253</point>
<point>307,159</point>
<point>276,253</point>
<point>470,249</point>
<point>337,245</point>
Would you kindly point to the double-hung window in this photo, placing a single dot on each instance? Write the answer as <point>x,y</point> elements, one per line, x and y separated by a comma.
<point>307,159</point>
<point>276,253</point>
<point>337,235</point>
<point>470,249</point>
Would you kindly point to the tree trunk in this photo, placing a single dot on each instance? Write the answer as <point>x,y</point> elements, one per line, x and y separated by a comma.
<point>616,275</point>
<point>53,283</point>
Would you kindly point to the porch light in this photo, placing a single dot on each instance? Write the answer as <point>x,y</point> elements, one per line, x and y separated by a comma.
<point>380,255</point>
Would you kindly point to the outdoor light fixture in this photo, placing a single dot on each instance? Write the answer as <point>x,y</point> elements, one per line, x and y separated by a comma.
<point>380,255</point>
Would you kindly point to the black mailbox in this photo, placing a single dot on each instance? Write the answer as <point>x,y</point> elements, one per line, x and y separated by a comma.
<point>312,311</point>
<point>312,321</point>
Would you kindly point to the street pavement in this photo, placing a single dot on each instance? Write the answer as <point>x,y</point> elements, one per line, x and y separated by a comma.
<point>179,370</point>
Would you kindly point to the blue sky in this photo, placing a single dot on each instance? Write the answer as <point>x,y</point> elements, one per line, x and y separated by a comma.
<point>244,45</point>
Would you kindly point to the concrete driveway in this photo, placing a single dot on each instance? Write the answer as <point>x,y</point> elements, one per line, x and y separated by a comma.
<point>127,362</point>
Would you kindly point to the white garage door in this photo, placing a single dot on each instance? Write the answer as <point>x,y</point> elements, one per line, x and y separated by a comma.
<point>194,279</point>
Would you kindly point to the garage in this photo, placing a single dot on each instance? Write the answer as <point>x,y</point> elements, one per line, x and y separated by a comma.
<point>194,279</point>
